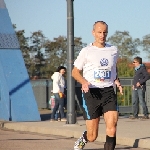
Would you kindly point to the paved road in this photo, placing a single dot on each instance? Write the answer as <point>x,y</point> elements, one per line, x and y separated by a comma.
<point>11,140</point>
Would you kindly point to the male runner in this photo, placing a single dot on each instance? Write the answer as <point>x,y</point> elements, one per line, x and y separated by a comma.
<point>98,62</point>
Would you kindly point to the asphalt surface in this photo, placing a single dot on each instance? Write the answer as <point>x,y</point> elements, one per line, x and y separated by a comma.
<point>131,133</point>
<point>18,140</point>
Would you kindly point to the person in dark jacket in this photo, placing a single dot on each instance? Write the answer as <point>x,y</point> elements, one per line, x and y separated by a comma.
<point>139,88</point>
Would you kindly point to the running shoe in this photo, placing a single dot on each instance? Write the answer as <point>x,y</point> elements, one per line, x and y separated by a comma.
<point>133,117</point>
<point>145,117</point>
<point>80,143</point>
<point>64,119</point>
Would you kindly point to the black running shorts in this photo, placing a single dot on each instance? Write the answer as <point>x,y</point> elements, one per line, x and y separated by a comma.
<point>98,101</point>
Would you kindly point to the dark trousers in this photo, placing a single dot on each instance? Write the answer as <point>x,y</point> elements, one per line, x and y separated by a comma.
<point>59,104</point>
<point>138,96</point>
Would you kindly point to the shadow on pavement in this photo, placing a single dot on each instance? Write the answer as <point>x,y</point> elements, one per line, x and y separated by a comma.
<point>45,117</point>
<point>136,143</point>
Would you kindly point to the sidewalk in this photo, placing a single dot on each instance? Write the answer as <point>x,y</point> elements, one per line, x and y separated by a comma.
<point>134,133</point>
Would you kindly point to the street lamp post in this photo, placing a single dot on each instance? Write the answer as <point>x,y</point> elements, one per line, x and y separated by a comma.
<point>71,117</point>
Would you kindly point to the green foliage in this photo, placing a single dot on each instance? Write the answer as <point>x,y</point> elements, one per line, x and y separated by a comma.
<point>127,46</point>
<point>23,41</point>
<point>126,98</point>
<point>43,56</point>
<point>146,44</point>
<point>125,68</point>
<point>57,50</point>
<point>37,41</point>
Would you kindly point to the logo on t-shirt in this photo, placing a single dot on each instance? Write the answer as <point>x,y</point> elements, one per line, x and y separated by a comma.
<point>104,62</point>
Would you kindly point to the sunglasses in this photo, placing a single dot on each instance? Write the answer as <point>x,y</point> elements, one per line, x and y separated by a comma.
<point>134,62</point>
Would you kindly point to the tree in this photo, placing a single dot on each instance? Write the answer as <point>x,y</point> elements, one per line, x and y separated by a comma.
<point>37,41</point>
<point>125,68</point>
<point>78,46</point>
<point>24,47</point>
<point>127,46</point>
<point>57,50</point>
<point>146,44</point>
<point>41,55</point>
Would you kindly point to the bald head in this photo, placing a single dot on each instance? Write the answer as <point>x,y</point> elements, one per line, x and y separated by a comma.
<point>100,30</point>
<point>99,22</point>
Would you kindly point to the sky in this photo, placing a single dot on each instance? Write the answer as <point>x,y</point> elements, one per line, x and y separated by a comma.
<point>50,16</point>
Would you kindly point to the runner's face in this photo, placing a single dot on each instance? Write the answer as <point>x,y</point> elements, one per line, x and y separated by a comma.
<point>100,33</point>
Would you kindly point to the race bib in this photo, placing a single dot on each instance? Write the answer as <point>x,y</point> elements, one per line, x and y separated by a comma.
<point>102,74</point>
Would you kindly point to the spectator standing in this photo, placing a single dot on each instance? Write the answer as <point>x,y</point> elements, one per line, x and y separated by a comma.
<point>139,88</point>
<point>52,105</point>
<point>58,91</point>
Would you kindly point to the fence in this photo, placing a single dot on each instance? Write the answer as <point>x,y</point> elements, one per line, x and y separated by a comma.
<point>125,101</point>
<point>42,91</point>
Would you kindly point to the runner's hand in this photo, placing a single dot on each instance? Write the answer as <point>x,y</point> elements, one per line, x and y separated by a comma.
<point>120,89</point>
<point>85,87</point>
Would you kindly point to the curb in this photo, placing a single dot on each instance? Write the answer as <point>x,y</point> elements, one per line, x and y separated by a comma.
<point>136,143</point>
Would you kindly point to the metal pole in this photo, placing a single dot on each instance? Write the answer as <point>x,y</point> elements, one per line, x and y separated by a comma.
<point>71,117</point>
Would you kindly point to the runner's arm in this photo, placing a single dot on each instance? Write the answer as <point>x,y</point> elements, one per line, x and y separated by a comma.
<point>76,74</point>
<point>117,81</point>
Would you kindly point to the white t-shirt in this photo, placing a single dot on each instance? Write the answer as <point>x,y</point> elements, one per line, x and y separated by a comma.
<point>98,65</point>
<point>58,82</point>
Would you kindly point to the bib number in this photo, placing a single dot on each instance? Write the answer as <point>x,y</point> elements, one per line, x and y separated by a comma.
<point>102,74</point>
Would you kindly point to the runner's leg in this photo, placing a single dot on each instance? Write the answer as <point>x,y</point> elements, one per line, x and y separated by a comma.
<point>111,118</point>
